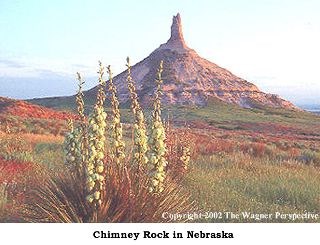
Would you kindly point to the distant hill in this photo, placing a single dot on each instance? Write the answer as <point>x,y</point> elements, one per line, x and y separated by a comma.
<point>21,116</point>
<point>27,110</point>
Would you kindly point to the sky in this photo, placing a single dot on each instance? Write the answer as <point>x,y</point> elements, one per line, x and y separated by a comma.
<point>272,43</point>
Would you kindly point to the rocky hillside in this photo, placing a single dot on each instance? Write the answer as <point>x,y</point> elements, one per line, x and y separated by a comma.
<point>190,79</point>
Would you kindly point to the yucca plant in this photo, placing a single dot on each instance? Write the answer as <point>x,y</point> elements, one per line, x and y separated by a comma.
<point>76,140</point>
<point>140,138</point>
<point>114,192</point>
<point>157,160</point>
<point>116,140</point>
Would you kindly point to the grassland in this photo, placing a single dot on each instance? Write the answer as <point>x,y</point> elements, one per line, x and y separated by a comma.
<point>240,183</point>
<point>243,160</point>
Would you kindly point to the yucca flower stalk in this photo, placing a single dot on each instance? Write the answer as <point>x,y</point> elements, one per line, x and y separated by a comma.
<point>79,98</point>
<point>72,147</point>
<point>157,160</point>
<point>116,140</point>
<point>140,139</point>
<point>97,140</point>
<point>83,128</point>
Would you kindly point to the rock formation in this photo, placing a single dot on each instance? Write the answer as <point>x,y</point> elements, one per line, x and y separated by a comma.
<point>190,79</point>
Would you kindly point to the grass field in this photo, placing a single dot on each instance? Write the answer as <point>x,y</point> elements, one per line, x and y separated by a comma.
<point>240,183</point>
<point>260,161</point>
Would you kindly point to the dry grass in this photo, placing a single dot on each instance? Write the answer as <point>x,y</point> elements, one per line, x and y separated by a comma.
<point>34,138</point>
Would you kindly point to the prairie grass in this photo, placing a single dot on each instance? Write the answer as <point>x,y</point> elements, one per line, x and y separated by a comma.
<point>229,172</point>
<point>49,155</point>
<point>239,182</point>
<point>28,147</point>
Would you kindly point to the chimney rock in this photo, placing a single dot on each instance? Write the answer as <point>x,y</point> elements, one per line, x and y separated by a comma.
<point>176,38</point>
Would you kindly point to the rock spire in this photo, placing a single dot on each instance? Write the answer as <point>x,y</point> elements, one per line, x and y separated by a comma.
<point>176,38</point>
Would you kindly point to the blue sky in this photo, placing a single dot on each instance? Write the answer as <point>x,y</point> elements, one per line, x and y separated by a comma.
<point>274,44</point>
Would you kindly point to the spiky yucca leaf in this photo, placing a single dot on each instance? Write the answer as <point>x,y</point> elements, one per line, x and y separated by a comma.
<point>62,199</point>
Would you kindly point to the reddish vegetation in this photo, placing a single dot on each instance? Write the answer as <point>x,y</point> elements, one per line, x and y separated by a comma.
<point>255,139</point>
<point>13,175</point>
<point>18,178</point>
<point>10,169</point>
<point>27,110</point>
